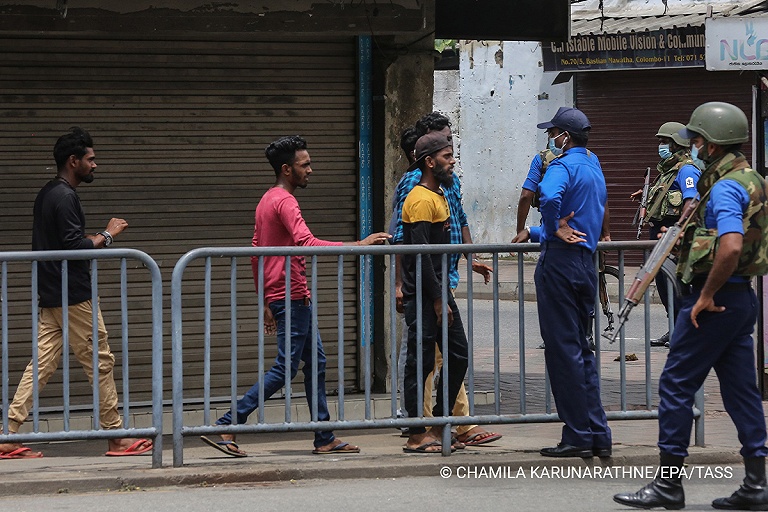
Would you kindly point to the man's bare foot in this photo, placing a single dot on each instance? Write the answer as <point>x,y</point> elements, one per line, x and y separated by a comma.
<point>226,445</point>
<point>17,451</point>
<point>128,446</point>
<point>478,435</point>
<point>336,446</point>
<point>455,443</point>
<point>424,443</point>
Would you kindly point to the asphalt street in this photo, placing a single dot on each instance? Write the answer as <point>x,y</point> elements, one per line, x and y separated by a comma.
<point>484,488</point>
<point>483,327</point>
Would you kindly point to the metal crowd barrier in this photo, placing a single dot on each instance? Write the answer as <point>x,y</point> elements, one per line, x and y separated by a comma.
<point>155,431</point>
<point>521,415</point>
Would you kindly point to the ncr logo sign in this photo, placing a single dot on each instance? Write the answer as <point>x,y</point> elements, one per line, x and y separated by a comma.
<point>736,43</point>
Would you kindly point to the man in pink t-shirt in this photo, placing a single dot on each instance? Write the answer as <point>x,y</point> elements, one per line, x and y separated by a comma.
<point>279,224</point>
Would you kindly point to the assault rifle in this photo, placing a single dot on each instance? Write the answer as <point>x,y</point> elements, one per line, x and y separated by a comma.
<point>642,209</point>
<point>652,266</point>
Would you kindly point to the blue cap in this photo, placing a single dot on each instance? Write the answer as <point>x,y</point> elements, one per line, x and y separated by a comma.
<point>688,134</point>
<point>568,119</point>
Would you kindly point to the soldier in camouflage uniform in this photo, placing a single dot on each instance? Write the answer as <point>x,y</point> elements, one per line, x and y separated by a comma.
<point>720,253</point>
<point>673,188</point>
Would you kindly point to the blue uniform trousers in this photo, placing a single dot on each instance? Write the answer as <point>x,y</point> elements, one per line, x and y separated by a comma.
<point>566,284</point>
<point>723,341</point>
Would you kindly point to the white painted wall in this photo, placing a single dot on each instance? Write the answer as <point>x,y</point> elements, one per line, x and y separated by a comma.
<point>446,99</point>
<point>502,94</point>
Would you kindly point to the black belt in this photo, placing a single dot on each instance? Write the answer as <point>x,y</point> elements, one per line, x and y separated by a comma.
<point>698,283</point>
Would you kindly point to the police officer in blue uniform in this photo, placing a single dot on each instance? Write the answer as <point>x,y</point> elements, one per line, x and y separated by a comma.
<point>719,254</point>
<point>566,283</point>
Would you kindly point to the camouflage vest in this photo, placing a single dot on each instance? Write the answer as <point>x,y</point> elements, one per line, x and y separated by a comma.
<point>661,202</point>
<point>546,158</point>
<point>700,244</point>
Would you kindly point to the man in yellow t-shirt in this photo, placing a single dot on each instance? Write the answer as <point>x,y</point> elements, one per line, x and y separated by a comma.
<point>426,218</point>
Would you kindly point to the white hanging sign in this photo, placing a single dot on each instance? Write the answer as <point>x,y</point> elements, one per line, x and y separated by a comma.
<point>736,44</point>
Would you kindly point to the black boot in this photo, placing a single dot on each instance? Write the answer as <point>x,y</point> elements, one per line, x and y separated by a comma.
<point>752,495</point>
<point>663,341</point>
<point>666,490</point>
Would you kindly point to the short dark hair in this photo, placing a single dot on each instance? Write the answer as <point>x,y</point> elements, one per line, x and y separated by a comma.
<point>76,142</point>
<point>432,122</point>
<point>579,139</point>
<point>408,141</point>
<point>283,151</point>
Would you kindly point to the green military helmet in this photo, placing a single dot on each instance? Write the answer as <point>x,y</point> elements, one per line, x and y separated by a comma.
<point>719,123</point>
<point>672,131</point>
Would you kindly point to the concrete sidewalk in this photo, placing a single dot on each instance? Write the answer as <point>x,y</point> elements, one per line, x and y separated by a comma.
<point>81,466</point>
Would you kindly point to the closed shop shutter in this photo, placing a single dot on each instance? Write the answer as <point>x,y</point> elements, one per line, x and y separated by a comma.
<point>626,108</point>
<point>179,130</point>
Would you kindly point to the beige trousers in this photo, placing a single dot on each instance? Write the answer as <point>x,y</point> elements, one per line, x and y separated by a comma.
<point>460,407</point>
<point>49,346</point>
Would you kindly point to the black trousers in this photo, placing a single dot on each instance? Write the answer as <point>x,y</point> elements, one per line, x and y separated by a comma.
<point>456,357</point>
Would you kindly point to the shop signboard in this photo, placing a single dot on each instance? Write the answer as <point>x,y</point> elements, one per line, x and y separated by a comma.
<point>664,48</point>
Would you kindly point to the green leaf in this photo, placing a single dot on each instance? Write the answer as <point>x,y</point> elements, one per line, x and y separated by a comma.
<point>446,44</point>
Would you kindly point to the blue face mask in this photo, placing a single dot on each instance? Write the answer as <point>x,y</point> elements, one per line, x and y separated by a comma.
<point>698,162</point>
<point>664,151</point>
<point>557,151</point>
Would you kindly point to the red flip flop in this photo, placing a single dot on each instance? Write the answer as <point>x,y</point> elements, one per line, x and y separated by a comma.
<point>481,438</point>
<point>21,453</point>
<point>133,449</point>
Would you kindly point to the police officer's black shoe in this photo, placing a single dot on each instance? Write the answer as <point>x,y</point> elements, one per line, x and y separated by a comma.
<point>566,450</point>
<point>666,490</point>
<point>663,341</point>
<point>752,495</point>
<point>602,452</point>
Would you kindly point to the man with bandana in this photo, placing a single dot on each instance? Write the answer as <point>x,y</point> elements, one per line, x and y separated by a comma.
<point>426,220</point>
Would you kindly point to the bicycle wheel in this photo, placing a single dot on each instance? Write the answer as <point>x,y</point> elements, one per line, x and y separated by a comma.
<point>608,287</point>
<point>669,270</point>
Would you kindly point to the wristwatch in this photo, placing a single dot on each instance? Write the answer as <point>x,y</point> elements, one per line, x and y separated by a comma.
<point>107,238</point>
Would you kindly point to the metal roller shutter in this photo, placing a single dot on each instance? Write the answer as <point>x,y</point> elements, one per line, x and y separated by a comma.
<point>626,109</point>
<point>179,131</point>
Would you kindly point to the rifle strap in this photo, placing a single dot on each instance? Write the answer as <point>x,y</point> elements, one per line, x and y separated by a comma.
<point>728,165</point>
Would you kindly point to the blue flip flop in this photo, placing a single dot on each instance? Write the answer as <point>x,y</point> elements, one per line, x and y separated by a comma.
<point>339,448</point>
<point>422,448</point>
<point>224,446</point>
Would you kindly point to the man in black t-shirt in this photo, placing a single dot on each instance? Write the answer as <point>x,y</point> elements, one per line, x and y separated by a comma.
<point>59,224</point>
